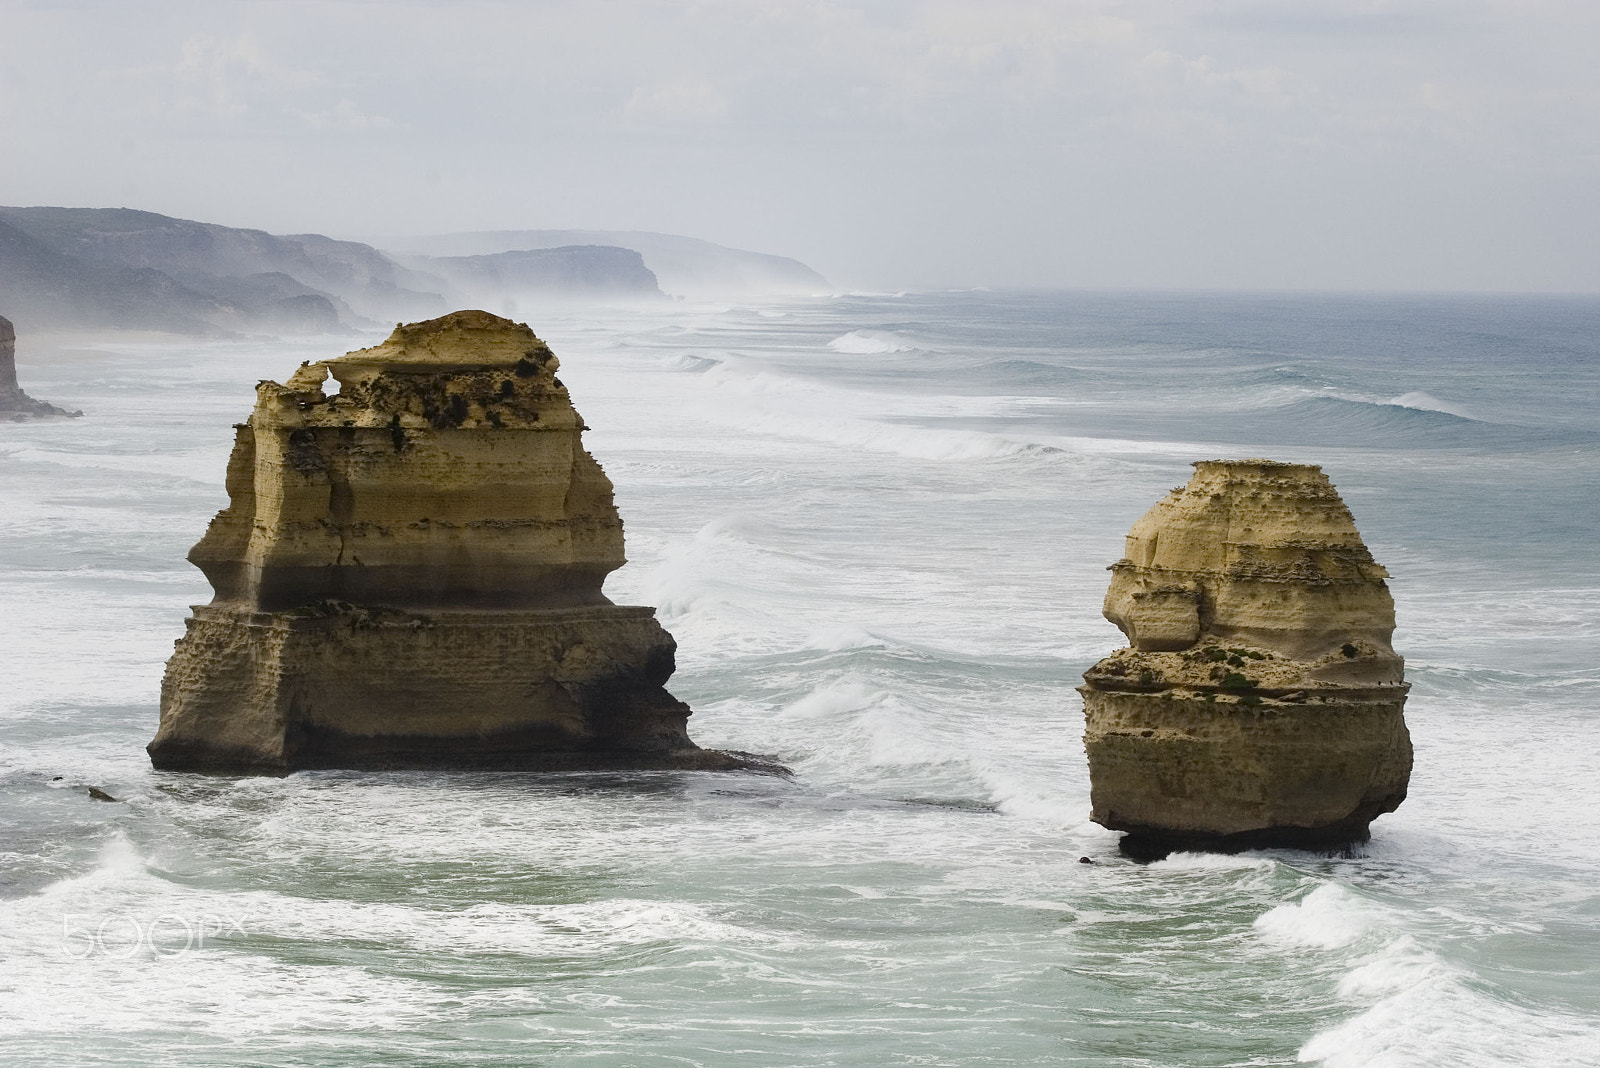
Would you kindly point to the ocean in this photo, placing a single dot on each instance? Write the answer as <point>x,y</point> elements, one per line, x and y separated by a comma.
<point>878,526</point>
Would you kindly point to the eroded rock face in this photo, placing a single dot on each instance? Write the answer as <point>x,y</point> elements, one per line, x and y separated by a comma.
<point>16,405</point>
<point>409,573</point>
<point>1260,702</point>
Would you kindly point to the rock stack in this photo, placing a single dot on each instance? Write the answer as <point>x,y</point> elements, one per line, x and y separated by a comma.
<point>409,572</point>
<point>1260,703</point>
<point>16,405</point>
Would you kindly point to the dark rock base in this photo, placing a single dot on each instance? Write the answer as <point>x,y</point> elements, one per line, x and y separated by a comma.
<point>1151,844</point>
<point>339,686</point>
<point>425,755</point>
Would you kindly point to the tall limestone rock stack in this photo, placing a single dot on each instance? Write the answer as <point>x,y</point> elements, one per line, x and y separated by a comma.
<point>1260,703</point>
<point>409,572</point>
<point>16,405</point>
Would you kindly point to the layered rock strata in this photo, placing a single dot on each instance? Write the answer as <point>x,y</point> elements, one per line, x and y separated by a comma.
<point>409,572</point>
<point>1260,702</point>
<point>16,405</point>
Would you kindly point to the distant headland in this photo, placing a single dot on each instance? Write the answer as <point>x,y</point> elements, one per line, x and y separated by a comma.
<point>124,269</point>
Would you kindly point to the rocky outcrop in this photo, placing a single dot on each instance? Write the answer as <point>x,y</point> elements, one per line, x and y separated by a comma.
<point>409,574</point>
<point>1260,702</point>
<point>16,405</point>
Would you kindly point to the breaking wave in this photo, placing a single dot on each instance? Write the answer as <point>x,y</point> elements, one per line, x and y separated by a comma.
<point>871,343</point>
<point>1427,402</point>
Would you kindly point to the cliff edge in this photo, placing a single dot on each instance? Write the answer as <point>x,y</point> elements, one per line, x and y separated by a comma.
<point>16,405</point>
<point>1260,702</point>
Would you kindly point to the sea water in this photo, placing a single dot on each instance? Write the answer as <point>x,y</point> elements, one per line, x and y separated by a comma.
<point>878,527</point>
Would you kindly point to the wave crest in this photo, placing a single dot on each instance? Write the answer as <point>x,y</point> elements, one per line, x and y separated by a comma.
<point>871,343</point>
<point>1427,402</point>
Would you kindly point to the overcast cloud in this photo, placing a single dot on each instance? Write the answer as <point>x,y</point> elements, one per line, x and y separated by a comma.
<point>1307,144</point>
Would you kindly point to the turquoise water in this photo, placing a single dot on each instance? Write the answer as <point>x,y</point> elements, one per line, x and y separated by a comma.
<point>878,528</point>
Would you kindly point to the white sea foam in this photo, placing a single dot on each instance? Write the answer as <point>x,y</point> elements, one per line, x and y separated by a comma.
<point>871,343</point>
<point>698,585</point>
<point>1057,803</point>
<point>838,637</point>
<point>870,730</point>
<point>784,406</point>
<point>1330,917</point>
<point>1421,1012</point>
<point>122,948</point>
<point>684,362</point>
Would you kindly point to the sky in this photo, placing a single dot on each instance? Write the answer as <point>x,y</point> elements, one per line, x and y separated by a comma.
<point>1235,144</point>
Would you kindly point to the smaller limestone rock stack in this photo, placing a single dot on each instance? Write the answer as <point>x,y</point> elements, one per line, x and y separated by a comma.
<point>1260,703</point>
<point>16,405</point>
<point>409,572</point>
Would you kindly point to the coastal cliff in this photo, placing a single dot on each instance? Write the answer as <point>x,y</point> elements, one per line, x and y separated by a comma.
<point>1260,702</point>
<point>15,405</point>
<point>683,266</point>
<point>409,573</point>
<point>124,269</point>
<point>587,273</point>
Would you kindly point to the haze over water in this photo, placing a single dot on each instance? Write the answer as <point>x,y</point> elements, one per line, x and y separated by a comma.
<point>878,528</point>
